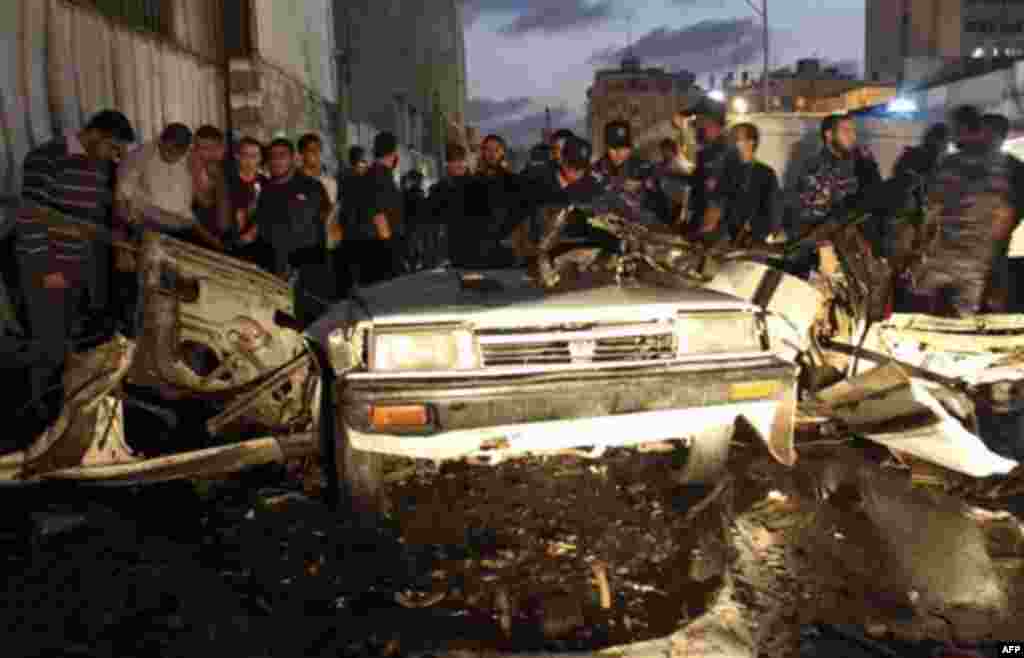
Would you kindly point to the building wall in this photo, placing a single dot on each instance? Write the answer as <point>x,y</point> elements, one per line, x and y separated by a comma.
<point>298,39</point>
<point>61,62</point>
<point>999,91</point>
<point>937,32</point>
<point>993,24</point>
<point>645,98</point>
<point>920,33</point>
<point>284,84</point>
<point>883,59</point>
<point>796,94</point>
<point>406,67</point>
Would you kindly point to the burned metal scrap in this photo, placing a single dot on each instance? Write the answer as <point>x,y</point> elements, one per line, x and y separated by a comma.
<point>835,327</point>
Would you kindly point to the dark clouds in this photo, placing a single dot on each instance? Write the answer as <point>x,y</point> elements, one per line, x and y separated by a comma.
<point>480,110</point>
<point>707,46</point>
<point>555,16</point>
<point>543,16</point>
<point>527,130</point>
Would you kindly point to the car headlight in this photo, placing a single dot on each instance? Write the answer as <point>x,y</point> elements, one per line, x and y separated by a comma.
<point>426,349</point>
<point>718,333</point>
<point>346,348</point>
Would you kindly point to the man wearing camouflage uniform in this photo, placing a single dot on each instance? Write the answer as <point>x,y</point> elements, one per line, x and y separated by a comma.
<point>973,208</point>
<point>629,181</point>
<point>716,173</point>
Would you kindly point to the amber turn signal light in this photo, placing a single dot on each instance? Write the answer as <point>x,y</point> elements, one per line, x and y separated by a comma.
<point>399,416</point>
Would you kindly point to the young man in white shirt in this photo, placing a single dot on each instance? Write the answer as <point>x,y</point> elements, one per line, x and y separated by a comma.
<point>154,184</point>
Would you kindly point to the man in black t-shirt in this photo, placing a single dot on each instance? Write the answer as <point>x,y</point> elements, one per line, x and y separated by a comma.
<point>571,182</point>
<point>375,225</point>
<point>291,215</point>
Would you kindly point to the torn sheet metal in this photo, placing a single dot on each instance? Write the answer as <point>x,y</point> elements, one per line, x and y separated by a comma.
<point>886,406</point>
<point>207,462</point>
<point>981,335</point>
<point>209,330</point>
<point>792,304</point>
<point>90,428</point>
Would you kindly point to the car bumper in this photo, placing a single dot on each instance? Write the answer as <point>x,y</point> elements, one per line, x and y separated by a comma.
<point>496,418</point>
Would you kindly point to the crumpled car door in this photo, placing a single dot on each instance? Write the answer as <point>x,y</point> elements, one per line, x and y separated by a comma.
<point>207,329</point>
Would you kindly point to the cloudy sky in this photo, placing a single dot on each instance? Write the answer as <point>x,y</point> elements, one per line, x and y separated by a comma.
<point>525,55</point>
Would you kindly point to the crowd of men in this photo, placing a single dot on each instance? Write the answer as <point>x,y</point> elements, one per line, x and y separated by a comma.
<point>274,206</point>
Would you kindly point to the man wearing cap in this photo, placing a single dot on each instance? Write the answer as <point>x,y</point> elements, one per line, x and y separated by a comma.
<point>558,143</point>
<point>715,174</point>
<point>572,182</point>
<point>629,179</point>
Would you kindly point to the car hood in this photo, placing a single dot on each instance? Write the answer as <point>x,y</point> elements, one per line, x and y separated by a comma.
<point>510,298</point>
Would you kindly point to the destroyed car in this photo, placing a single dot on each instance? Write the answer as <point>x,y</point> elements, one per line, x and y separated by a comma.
<point>209,383</point>
<point>489,365</point>
<point>644,343</point>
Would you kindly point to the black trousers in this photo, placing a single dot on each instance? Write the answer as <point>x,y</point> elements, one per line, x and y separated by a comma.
<point>316,290</point>
<point>51,315</point>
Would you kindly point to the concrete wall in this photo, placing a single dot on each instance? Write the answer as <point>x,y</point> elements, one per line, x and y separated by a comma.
<point>407,67</point>
<point>787,141</point>
<point>882,57</point>
<point>287,85</point>
<point>298,39</point>
<point>267,102</point>
<point>999,91</point>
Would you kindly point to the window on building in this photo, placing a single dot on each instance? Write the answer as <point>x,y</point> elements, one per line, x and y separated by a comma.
<point>148,15</point>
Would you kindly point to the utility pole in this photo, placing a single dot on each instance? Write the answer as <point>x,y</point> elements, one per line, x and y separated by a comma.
<point>762,13</point>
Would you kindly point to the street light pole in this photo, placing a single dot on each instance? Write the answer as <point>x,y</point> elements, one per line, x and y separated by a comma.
<point>762,13</point>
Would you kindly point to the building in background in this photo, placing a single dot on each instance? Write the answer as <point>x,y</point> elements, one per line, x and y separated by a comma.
<point>646,97</point>
<point>402,68</point>
<point>161,61</point>
<point>809,87</point>
<point>283,80</point>
<point>914,40</point>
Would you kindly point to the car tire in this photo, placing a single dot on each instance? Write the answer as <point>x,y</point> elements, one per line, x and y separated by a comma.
<point>708,456</point>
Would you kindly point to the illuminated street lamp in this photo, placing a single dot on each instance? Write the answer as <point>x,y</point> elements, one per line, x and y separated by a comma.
<point>901,106</point>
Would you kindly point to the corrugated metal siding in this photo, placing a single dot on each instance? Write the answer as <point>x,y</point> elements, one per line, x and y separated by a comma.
<point>60,63</point>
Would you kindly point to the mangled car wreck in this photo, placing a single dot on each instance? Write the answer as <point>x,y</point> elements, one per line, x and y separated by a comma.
<point>205,335</point>
<point>656,344</point>
<point>487,366</point>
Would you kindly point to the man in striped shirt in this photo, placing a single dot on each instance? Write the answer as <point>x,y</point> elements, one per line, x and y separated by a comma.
<point>71,175</point>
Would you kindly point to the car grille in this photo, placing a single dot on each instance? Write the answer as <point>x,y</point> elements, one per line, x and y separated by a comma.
<point>602,344</point>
